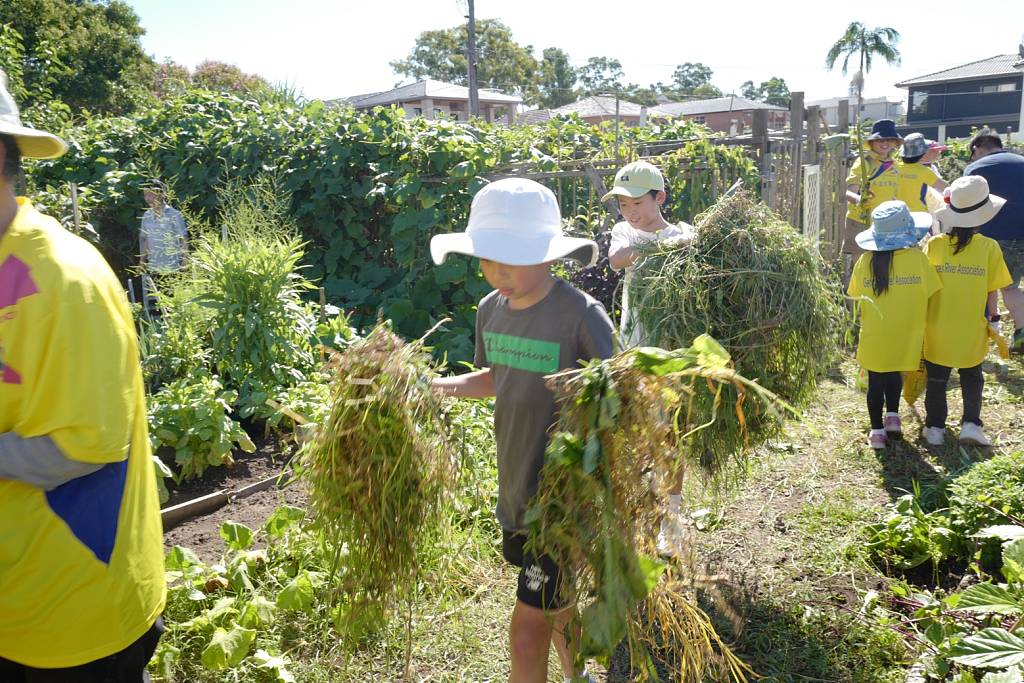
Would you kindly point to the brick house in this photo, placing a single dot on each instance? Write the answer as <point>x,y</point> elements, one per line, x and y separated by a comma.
<point>432,99</point>
<point>732,115</point>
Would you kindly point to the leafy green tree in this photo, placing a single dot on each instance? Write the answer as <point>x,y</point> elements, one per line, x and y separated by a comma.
<point>773,91</point>
<point>557,79</point>
<point>502,63</point>
<point>865,44</point>
<point>689,77</point>
<point>223,77</point>
<point>706,91</point>
<point>96,42</point>
<point>601,74</point>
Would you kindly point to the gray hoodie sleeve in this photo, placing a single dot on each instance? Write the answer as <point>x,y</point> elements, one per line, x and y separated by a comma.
<point>38,462</point>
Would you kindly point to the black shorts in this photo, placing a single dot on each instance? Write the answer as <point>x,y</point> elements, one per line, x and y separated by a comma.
<point>539,578</point>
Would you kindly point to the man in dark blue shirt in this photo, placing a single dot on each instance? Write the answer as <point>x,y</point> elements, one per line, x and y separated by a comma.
<point>1004,172</point>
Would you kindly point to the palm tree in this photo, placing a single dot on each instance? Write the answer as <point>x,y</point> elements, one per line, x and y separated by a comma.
<point>858,40</point>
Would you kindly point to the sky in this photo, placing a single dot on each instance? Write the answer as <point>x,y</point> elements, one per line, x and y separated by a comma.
<point>329,49</point>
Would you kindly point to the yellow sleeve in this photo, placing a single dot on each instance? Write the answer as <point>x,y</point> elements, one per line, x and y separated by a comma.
<point>854,177</point>
<point>855,289</point>
<point>932,281</point>
<point>80,381</point>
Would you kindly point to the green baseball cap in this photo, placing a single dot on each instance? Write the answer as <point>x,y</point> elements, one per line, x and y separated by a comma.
<point>636,180</point>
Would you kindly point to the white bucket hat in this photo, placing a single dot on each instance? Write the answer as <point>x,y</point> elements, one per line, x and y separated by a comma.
<point>970,205</point>
<point>516,222</point>
<point>32,143</point>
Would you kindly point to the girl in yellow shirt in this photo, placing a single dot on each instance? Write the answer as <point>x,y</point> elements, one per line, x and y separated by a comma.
<point>972,270</point>
<point>897,282</point>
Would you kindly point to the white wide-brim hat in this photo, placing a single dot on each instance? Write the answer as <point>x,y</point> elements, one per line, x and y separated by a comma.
<point>32,143</point>
<point>515,222</point>
<point>970,205</point>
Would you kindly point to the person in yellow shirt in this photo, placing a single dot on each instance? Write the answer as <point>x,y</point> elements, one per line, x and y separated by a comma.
<point>914,176</point>
<point>82,581</point>
<point>972,271</point>
<point>883,178</point>
<point>897,282</point>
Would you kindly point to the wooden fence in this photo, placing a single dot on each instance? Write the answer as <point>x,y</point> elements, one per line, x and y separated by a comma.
<point>802,175</point>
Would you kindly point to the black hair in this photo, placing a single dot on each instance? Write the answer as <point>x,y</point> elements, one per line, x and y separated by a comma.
<point>986,138</point>
<point>912,160</point>
<point>881,271</point>
<point>12,158</point>
<point>961,237</point>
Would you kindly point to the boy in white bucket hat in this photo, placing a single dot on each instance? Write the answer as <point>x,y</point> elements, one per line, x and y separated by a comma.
<point>81,547</point>
<point>972,271</point>
<point>532,325</point>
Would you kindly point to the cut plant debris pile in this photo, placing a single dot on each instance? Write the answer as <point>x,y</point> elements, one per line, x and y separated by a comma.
<point>378,468</point>
<point>760,289</point>
<point>601,501</point>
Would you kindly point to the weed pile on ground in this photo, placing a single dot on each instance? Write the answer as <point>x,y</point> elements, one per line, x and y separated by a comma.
<point>599,506</point>
<point>761,290</point>
<point>378,469</point>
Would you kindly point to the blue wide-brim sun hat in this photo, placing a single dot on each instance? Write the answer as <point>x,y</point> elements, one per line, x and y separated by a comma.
<point>894,226</point>
<point>884,129</point>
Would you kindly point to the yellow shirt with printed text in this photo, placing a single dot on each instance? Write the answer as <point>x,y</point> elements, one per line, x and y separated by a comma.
<point>883,178</point>
<point>913,183</point>
<point>81,566</point>
<point>956,332</point>
<point>892,325</point>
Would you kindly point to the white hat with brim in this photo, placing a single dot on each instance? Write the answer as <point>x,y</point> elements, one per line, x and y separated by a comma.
<point>970,204</point>
<point>894,226</point>
<point>32,143</point>
<point>516,222</point>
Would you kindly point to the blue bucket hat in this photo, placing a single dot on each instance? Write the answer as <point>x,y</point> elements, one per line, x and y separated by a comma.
<point>914,145</point>
<point>894,226</point>
<point>884,129</point>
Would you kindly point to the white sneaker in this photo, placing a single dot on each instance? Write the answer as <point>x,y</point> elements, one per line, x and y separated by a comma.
<point>972,435</point>
<point>670,538</point>
<point>935,436</point>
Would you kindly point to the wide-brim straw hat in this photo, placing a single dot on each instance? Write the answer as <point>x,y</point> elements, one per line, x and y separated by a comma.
<point>969,204</point>
<point>894,226</point>
<point>515,222</point>
<point>32,143</point>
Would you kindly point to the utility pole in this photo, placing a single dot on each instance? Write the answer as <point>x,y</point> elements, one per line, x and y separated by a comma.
<point>616,123</point>
<point>474,96</point>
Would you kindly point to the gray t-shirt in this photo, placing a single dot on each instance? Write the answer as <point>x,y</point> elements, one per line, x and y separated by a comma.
<point>521,347</point>
<point>165,233</point>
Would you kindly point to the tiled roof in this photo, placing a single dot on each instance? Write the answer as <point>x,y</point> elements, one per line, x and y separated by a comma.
<point>599,105</point>
<point>421,89</point>
<point>834,101</point>
<point>719,104</point>
<point>1000,65</point>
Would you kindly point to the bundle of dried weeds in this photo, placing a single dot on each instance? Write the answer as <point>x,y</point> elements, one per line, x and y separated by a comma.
<point>378,470</point>
<point>600,504</point>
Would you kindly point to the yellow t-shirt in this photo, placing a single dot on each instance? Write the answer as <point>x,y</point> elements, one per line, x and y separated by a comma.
<point>81,566</point>
<point>913,183</point>
<point>892,325</point>
<point>956,332</point>
<point>883,176</point>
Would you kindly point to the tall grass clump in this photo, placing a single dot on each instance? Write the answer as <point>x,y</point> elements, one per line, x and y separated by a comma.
<point>761,290</point>
<point>378,468</point>
<point>248,274</point>
<point>601,501</point>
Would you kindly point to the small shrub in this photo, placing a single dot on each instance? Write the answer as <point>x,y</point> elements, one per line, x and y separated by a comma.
<point>984,496</point>
<point>192,416</point>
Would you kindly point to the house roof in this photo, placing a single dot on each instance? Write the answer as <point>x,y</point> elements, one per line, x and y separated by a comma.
<point>1000,65</point>
<point>599,105</point>
<point>834,101</point>
<point>719,104</point>
<point>422,89</point>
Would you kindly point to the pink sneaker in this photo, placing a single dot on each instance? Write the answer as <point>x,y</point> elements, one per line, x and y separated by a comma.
<point>893,426</point>
<point>876,439</point>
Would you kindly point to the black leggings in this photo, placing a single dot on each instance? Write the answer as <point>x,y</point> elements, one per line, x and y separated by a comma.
<point>972,383</point>
<point>884,389</point>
